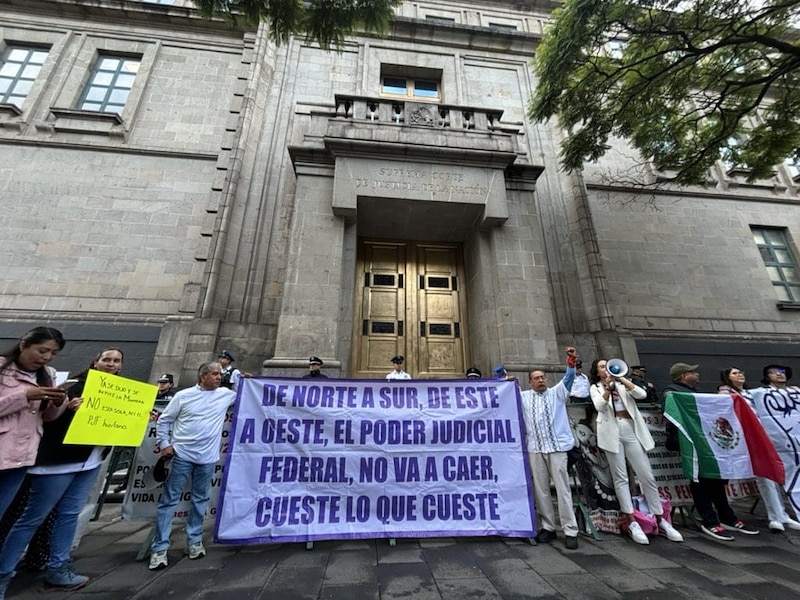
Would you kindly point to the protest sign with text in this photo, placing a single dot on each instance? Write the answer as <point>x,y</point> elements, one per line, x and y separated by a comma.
<point>371,459</point>
<point>114,412</point>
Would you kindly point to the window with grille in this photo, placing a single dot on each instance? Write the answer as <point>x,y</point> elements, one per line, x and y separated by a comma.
<point>109,84</point>
<point>19,68</point>
<point>780,262</point>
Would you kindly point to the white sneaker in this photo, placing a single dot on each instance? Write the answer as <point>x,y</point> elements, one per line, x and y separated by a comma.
<point>158,560</point>
<point>776,526</point>
<point>668,530</point>
<point>636,533</point>
<point>792,524</point>
<point>196,550</point>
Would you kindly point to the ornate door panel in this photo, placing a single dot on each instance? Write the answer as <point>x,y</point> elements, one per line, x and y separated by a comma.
<point>408,301</point>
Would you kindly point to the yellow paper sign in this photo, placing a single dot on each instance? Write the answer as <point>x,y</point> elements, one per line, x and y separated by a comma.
<point>115,411</point>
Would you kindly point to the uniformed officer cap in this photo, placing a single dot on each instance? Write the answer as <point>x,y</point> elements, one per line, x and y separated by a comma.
<point>474,373</point>
<point>315,360</point>
<point>228,355</point>
<point>166,377</point>
<point>398,358</point>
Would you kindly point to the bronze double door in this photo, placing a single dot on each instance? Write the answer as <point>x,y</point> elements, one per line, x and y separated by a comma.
<point>409,301</point>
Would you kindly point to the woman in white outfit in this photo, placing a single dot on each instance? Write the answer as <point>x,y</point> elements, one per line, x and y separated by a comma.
<point>623,434</point>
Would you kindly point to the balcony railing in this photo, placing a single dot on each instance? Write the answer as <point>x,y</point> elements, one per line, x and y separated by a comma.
<point>400,112</point>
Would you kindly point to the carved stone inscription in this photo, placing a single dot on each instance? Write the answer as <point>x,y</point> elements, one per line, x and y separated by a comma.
<point>436,180</point>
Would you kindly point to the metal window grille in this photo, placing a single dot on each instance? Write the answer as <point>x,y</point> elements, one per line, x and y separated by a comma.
<point>780,262</point>
<point>109,84</point>
<point>18,71</point>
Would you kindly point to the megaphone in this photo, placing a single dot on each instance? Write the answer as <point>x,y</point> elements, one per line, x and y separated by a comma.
<point>616,367</point>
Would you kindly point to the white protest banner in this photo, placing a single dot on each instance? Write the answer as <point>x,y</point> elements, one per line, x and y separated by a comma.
<point>338,459</point>
<point>143,492</point>
<point>779,412</point>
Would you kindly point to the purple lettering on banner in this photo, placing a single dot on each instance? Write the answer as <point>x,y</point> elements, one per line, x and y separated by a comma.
<point>343,459</point>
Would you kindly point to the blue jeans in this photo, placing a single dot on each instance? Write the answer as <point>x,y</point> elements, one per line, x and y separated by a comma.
<point>179,472</point>
<point>68,493</point>
<point>10,482</point>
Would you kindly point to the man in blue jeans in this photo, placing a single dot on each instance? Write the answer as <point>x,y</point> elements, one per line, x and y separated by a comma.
<point>195,417</point>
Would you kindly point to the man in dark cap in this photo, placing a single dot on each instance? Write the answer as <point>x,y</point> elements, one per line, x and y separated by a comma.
<point>474,373</point>
<point>398,373</point>
<point>314,368</point>
<point>166,386</point>
<point>717,518</point>
<point>230,375</point>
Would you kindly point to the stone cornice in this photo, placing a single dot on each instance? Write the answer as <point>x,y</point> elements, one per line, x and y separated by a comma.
<point>127,13</point>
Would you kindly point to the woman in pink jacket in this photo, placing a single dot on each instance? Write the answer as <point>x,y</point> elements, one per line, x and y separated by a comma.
<point>27,397</point>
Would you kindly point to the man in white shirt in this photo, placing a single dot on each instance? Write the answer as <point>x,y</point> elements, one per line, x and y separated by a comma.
<point>549,438</point>
<point>195,417</point>
<point>398,372</point>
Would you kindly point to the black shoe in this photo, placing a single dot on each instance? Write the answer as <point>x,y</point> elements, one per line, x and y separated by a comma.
<point>571,542</point>
<point>740,527</point>
<point>545,536</point>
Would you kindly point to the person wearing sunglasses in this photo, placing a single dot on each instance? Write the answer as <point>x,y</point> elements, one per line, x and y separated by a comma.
<point>777,376</point>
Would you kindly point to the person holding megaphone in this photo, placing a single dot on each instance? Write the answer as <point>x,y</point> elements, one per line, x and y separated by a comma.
<point>624,436</point>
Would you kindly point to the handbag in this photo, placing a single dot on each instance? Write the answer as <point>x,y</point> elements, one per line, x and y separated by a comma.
<point>645,517</point>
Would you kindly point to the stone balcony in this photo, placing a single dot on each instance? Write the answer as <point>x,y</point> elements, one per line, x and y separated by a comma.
<point>388,127</point>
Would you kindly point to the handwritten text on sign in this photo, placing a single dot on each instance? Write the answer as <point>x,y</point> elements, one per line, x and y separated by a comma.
<point>353,459</point>
<point>115,411</point>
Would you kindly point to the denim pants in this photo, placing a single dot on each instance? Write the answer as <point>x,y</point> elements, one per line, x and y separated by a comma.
<point>10,482</point>
<point>68,493</point>
<point>179,472</point>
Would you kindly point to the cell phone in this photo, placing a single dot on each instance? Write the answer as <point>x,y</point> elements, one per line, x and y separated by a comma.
<point>67,384</point>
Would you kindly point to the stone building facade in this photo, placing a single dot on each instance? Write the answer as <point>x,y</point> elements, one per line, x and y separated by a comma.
<point>284,201</point>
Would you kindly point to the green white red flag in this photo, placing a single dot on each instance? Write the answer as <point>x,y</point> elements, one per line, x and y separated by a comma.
<point>721,438</point>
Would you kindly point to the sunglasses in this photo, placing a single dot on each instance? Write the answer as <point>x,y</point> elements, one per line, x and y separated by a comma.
<point>777,371</point>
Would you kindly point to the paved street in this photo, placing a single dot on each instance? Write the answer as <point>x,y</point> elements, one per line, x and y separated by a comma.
<point>762,566</point>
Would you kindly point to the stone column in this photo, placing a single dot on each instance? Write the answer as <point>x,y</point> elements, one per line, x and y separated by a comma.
<point>309,320</point>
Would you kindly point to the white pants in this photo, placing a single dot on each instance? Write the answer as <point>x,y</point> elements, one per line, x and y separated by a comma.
<point>772,495</point>
<point>543,468</point>
<point>631,448</point>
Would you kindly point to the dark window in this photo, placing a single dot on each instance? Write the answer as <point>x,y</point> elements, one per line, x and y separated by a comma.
<point>440,329</point>
<point>383,280</point>
<point>439,282</point>
<point>382,327</point>
<point>442,20</point>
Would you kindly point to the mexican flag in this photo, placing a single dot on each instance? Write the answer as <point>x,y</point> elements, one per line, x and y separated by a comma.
<point>721,438</point>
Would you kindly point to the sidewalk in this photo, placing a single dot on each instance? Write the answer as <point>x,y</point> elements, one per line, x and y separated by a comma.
<point>759,567</point>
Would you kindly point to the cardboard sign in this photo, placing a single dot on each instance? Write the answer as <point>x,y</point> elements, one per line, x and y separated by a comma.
<point>115,411</point>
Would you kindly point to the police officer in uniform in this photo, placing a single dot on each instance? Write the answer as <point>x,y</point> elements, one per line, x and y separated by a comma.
<point>230,375</point>
<point>398,372</point>
<point>166,387</point>
<point>314,368</point>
